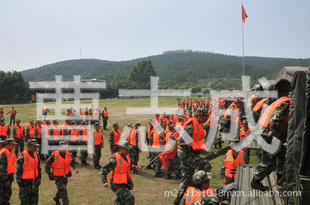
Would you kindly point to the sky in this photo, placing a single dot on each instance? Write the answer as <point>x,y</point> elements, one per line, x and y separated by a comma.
<point>39,32</point>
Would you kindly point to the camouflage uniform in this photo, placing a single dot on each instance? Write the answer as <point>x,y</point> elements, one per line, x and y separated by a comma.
<point>134,151</point>
<point>19,141</point>
<point>124,197</point>
<point>157,162</point>
<point>174,164</point>
<point>190,160</point>
<point>5,192</point>
<point>271,162</point>
<point>30,194</point>
<point>60,181</point>
<point>114,148</point>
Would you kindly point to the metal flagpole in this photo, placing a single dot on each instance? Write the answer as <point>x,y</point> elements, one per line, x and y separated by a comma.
<point>242,40</point>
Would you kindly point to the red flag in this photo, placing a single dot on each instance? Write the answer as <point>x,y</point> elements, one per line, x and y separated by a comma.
<point>244,15</point>
<point>167,154</point>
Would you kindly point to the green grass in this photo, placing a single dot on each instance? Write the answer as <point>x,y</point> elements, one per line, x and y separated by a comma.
<point>86,186</point>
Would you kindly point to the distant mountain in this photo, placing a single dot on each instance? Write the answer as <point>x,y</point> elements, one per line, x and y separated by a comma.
<point>179,66</point>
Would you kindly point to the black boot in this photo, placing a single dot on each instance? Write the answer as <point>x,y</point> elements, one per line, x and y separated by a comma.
<point>56,201</point>
<point>169,176</point>
<point>255,184</point>
<point>158,174</point>
<point>177,176</point>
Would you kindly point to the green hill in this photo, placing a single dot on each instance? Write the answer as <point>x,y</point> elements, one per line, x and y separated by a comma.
<point>179,66</point>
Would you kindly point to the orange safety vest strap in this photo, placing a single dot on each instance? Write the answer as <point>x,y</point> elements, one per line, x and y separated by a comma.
<point>265,119</point>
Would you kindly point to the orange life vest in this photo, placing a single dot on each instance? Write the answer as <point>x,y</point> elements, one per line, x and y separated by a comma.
<point>156,136</point>
<point>19,131</point>
<point>194,194</point>
<point>176,137</point>
<point>259,105</point>
<point>86,112</point>
<point>252,101</point>
<point>265,118</point>
<point>31,131</point>
<point>56,132</point>
<point>13,111</point>
<point>84,134</point>
<point>4,130</point>
<point>198,134</point>
<point>133,137</point>
<point>243,132</point>
<point>121,175</point>
<point>39,130</point>
<point>231,164</point>
<point>11,158</point>
<point>98,137</point>
<point>232,105</point>
<point>149,131</point>
<point>30,166</point>
<point>61,166</point>
<point>74,134</point>
<point>106,113</point>
<point>163,119</point>
<point>117,136</point>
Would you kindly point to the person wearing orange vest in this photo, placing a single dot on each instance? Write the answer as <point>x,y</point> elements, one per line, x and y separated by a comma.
<point>115,136</point>
<point>18,135</point>
<point>200,185</point>
<point>187,103</point>
<point>274,121</point>
<point>148,133</point>
<point>188,153</point>
<point>232,159</point>
<point>44,112</point>
<point>97,116</point>
<point>163,119</point>
<point>105,117</point>
<point>7,169</point>
<point>98,145</point>
<point>84,134</point>
<point>135,142</point>
<point>259,108</point>
<point>73,134</point>
<point>12,116</point>
<point>59,162</point>
<point>119,165</point>
<point>174,164</point>
<point>30,131</point>
<point>66,127</point>
<point>243,133</point>
<point>28,174</point>
<point>156,140</point>
<point>55,132</point>
<point>5,131</point>
<point>38,136</point>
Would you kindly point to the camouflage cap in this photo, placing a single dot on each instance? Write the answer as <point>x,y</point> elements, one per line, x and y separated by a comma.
<point>9,141</point>
<point>207,199</point>
<point>32,142</point>
<point>17,120</point>
<point>129,125</point>
<point>115,125</point>
<point>202,112</point>
<point>63,144</point>
<point>1,142</point>
<point>97,124</point>
<point>124,145</point>
<point>201,177</point>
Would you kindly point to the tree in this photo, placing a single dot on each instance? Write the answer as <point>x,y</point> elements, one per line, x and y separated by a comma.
<point>140,74</point>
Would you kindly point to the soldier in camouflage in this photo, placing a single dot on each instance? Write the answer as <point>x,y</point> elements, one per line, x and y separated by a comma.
<point>200,191</point>
<point>189,157</point>
<point>269,162</point>
<point>156,140</point>
<point>29,179</point>
<point>61,179</point>
<point>174,164</point>
<point>7,158</point>
<point>121,182</point>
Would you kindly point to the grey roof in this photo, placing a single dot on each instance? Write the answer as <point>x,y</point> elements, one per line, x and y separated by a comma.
<point>287,73</point>
<point>244,176</point>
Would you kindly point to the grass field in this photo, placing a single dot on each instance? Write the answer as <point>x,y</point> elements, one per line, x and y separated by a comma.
<point>86,187</point>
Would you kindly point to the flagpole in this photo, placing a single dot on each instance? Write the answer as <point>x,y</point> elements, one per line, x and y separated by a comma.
<point>242,42</point>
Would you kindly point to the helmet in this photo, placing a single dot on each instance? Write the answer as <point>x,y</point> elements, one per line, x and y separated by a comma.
<point>201,177</point>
